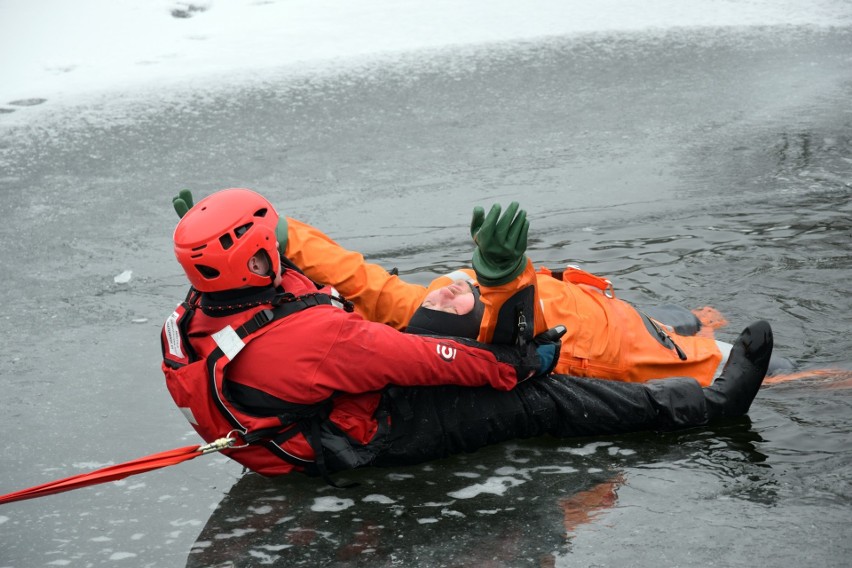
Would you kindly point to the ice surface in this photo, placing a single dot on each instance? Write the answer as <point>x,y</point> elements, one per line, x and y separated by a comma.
<point>54,49</point>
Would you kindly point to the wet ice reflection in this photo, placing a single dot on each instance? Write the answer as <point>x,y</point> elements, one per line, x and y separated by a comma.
<point>537,508</point>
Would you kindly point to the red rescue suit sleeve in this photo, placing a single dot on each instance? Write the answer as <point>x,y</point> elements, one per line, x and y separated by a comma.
<point>378,296</point>
<point>309,356</point>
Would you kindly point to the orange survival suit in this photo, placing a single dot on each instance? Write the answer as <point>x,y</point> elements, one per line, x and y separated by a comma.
<point>606,337</point>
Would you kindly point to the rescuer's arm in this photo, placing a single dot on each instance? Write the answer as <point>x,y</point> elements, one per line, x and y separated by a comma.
<point>366,357</point>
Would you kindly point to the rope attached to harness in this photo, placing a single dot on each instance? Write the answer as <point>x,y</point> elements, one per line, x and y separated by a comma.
<point>121,470</point>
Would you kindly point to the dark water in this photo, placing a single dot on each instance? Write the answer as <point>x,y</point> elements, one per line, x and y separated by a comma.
<point>698,167</point>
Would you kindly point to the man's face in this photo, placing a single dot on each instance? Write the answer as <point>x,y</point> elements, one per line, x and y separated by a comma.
<point>457,298</point>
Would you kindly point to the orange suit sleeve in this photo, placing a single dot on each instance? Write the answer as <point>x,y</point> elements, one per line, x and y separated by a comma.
<point>500,319</point>
<point>378,295</point>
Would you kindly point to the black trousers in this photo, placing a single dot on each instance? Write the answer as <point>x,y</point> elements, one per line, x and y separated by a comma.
<point>429,423</point>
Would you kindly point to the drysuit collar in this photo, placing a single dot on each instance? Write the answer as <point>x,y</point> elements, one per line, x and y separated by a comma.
<point>230,302</point>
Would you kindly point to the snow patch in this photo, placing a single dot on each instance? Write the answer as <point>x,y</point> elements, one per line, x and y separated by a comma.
<point>331,504</point>
<point>586,450</point>
<point>493,486</point>
<point>124,277</point>
<point>468,474</point>
<point>261,510</point>
<point>382,499</point>
<point>236,533</point>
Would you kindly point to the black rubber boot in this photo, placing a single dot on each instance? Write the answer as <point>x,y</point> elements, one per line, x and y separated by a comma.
<point>731,394</point>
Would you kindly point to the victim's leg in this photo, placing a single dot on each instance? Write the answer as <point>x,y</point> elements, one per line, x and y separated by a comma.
<point>433,422</point>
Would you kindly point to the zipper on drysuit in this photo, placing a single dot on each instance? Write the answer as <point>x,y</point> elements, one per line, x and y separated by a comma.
<point>665,338</point>
<point>522,327</point>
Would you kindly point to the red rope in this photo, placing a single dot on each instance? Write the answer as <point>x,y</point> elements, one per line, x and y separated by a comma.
<point>109,473</point>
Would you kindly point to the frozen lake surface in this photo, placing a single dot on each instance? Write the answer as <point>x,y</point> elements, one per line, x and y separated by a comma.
<point>693,164</point>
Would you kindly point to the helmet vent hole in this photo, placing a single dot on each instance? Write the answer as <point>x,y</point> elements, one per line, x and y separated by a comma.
<point>260,212</point>
<point>207,271</point>
<point>241,230</point>
<point>200,248</point>
<point>227,241</point>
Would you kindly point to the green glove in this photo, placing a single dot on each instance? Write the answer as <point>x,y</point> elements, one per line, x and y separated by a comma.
<point>183,202</point>
<point>281,233</point>
<point>501,242</point>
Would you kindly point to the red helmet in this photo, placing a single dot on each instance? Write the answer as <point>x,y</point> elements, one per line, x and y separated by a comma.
<point>216,238</point>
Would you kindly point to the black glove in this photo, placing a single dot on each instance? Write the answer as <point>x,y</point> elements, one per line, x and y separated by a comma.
<point>548,347</point>
<point>539,358</point>
<point>535,358</point>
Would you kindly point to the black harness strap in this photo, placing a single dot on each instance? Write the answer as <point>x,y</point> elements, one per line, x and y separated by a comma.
<point>285,305</point>
<point>304,418</point>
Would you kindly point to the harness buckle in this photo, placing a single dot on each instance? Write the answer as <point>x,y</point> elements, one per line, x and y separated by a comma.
<point>263,317</point>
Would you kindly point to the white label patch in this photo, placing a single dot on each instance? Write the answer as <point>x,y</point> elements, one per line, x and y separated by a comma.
<point>173,335</point>
<point>187,412</point>
<point>228,341</point>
